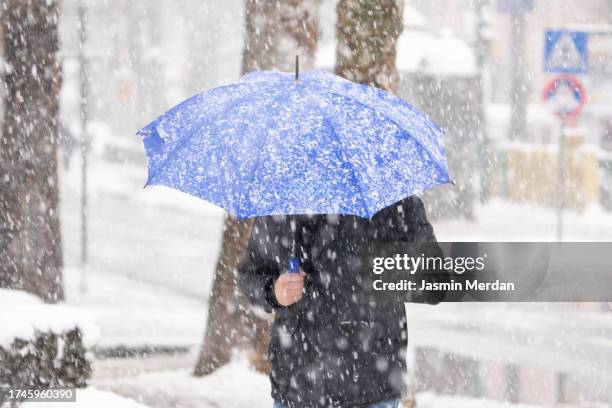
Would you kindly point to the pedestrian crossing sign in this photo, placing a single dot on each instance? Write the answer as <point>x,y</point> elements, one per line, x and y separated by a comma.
<point>566,52</point>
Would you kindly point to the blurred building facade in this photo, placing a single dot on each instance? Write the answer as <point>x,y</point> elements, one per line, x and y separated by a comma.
<point>143,58</point>
<point>146,56</point>
<point>516,168</point>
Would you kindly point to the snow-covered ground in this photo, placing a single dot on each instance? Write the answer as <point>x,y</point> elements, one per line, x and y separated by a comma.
<point>151,253</point>
<point>23,316</point>
<point>431,400</point>
<point>542,337</point>
<point>149,272</point>
<point>134,313</point>
<point>89,397</point>
<point>234,385</point>
<point>503,221</point>
<point>237,386</point>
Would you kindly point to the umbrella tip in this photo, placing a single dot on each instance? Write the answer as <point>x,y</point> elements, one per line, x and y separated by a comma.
<point>453,183</point>
<point>297,67</point>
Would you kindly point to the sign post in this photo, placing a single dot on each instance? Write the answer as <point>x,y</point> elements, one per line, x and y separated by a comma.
<point>565,53</point>
<point>566,96</point>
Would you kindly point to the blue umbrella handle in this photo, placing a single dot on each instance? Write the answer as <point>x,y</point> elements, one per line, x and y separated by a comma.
<point>294,264</point>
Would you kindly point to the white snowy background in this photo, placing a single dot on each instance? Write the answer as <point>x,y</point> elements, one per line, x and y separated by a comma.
<point>152,252</point>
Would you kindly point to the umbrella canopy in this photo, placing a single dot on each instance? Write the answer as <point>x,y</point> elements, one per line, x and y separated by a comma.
<point>270,144</point>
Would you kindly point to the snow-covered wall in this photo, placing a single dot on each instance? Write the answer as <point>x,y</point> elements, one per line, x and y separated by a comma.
<point>43,345</point>
<point>23,316</point>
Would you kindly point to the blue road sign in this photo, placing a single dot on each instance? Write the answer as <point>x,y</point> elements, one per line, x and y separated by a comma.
<point>514,6</point>
<point>566,52</point>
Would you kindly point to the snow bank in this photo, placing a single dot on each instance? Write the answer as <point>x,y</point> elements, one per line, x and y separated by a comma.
<point>419,49</point>
<point>325,57</point>
<point>431,400</point>
<point>135,313</point>
<point>441,55</point>
<point>234,385</point>
<point>23,316</point>
<point>89,398</point>
<point>423,51</point>
<point>537,113</point>
<point>413,18</point>
<point>43,345</point>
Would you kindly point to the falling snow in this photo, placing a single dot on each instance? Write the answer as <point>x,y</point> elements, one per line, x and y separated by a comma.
<point>152,297</point>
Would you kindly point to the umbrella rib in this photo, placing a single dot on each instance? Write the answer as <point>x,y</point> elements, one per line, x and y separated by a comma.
<point>343,156</point>
<point>191,99</point>
<point>438,165</point>
<point>276,101</point>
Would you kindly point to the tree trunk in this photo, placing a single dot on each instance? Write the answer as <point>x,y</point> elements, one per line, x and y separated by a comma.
<point>367,32</point>
<point>275,33</point>
<point>30,240</point>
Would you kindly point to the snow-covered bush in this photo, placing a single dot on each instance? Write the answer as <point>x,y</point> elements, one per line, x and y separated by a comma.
<point>43,345</point>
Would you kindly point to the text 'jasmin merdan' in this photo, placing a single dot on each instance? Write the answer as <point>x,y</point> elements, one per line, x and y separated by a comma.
<point>470,284</point>
<point>412,264</point>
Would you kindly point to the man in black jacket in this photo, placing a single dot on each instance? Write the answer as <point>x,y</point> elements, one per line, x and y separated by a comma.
<point>330,347</point>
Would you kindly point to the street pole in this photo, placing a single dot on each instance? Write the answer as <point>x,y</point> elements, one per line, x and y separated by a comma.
<point>481,46</point>
<point>561,183</point>
<point>84,139</point>
<point>518,97</point>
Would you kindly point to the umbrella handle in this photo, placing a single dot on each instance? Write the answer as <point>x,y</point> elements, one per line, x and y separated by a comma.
<point>294,264</point>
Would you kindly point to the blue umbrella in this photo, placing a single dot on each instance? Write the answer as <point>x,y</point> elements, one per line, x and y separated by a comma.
<point>273,143</point>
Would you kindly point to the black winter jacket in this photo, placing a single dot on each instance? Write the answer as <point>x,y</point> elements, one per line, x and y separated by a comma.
<point>332,348</point>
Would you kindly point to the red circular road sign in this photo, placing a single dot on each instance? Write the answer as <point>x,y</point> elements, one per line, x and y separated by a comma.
<point>566,95</point>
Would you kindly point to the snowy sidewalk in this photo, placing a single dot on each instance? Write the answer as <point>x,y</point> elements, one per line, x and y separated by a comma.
<point>504,221</point>
<point>232,386</point>
<point>89,397</point>
<point>137,314</point>
<point>152,252</point>
<point>546,337</point>
<point>152,256</point>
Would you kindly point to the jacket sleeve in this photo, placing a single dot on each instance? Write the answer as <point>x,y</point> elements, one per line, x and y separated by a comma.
<point>422,232</point>
<point>416,217</point>
<point>256,273</point>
